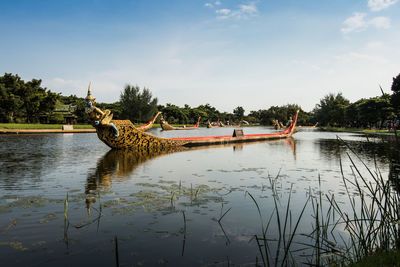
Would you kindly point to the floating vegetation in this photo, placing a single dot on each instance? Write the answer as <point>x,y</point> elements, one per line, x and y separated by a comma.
<point>161,197</point>
<point>39,243</point>
<point>167,211</point>
<point>26,202</point>
<point>166,182</point>
<point>49,217</point>
<point>15,245</point>
<point>4,209</point>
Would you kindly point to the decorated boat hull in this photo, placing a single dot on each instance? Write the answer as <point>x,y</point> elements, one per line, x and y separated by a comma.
<point>149,125</point>
<point>167,127</point>
<point>122,134</point>
<point>131,138</point>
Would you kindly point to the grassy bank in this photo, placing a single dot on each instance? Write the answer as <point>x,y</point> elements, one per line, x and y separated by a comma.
<point>381,258</point>
<point>38,126</point>
<point>354,130</point>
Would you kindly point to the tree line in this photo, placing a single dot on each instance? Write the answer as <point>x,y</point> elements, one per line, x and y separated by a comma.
<point>22,101</point>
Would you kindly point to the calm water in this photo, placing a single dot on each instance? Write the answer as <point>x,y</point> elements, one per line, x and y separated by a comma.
<point>164,208</point>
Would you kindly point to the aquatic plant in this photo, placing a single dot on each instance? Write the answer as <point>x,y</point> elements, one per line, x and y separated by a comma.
<point>286,233</point>
<point>372,223</point>
<point>339,236</point>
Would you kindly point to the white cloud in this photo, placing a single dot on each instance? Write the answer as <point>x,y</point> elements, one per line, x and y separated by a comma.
<point>377,5</point>
<point>250,9</point>
<point>210,5</point>
<point>355,23</point>
<point>380,22</point>
<point>358,23</point>
<point>376,44</point>
<point>223,11</point>
<point>242,12</point>
<point>360,58</point>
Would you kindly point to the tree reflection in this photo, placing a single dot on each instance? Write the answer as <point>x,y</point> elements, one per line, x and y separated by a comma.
<point>379,149</point>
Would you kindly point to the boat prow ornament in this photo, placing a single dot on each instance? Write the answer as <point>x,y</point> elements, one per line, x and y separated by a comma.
<point>97,116</point>
<point>122,134</point>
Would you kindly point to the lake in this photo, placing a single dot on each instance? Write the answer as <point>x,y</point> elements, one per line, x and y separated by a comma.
<point>67,200</point>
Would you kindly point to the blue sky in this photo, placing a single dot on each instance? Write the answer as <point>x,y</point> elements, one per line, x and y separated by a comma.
<point>253,54</point>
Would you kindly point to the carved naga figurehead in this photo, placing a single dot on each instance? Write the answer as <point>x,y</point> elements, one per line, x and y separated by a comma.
<point>97,116</point>
<point>90,99</point>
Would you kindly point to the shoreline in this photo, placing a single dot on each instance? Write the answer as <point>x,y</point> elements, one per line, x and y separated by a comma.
<point>357,130</point>
<point>45,131</point>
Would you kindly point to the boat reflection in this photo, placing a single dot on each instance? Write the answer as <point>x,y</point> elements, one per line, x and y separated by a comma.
<point>119,164</point>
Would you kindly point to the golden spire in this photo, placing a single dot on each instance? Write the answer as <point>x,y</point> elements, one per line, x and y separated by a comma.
<point>89,95</point>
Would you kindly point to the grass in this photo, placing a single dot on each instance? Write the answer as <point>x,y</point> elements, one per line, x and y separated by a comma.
<point>372,223</point>
<point>384,258</point>
<point>367,233</point>
<point>39,126</point>
<point>282,256</point>
<point>354,130</point>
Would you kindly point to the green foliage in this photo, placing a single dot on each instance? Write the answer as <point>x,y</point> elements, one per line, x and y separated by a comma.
<point>137,105</point>
<point>239,113</point>
<point>395,99</point>
<point>115,108</point>
<point>280,113</point>
<point>380,258</point>
<point>331,110</point>
<point>212,113</point>
<point>40,126</point>
<point>195,113</point>
<point>174,114</point>
<point>27,100</point>
<point>367,112</point>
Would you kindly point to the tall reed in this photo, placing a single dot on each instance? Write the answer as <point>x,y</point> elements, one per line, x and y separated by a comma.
<point>372,223</point>
<point>340,235</point>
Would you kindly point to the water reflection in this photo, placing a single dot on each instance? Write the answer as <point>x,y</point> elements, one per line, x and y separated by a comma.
<point>292,144</point>
<point>27,157</point>
<point>375,151</point>
<point>337,148</point>
<point>154,198</point>
<point>118,163</point>
<point>121,163</point>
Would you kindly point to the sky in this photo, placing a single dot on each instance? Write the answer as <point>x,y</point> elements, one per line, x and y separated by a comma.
<point>253,54</point>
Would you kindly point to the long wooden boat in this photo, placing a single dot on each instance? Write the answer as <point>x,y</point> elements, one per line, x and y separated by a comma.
<point>122,134</point>
<point>148,126</point>
<point>167,127</point>
<point>223,125</point>
<point>209,125</point>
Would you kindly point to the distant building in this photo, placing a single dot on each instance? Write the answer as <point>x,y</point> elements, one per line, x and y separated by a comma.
<point>62,114</point>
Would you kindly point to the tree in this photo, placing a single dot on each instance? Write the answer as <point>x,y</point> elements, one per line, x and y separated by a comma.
<point>331,110</point>
<point>212,113</point>
<point>174,114</point>
<point>239,113</point>
<point>24,100</point>
<point>195,113</point>
<point>369,112</point>
<point>136,104</point>
<point>395,99</point>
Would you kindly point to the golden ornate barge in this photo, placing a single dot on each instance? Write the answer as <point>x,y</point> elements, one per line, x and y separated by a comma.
<point>167,127</point>
<point>122,134</point>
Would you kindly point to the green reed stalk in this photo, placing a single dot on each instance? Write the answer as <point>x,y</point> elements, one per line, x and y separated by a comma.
<point>116,251</point>
<point>66,208</point>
